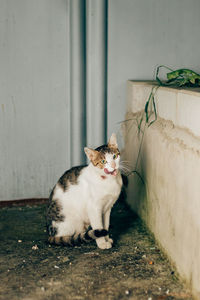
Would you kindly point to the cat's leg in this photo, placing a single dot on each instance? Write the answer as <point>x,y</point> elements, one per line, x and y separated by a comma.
<point>106,222</point>
<point>96,221</point>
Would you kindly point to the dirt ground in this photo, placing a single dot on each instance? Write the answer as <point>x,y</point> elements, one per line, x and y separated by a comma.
<point>134,268</point>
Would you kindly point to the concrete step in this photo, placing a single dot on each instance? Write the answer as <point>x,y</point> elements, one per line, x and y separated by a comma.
<point>167,155</point>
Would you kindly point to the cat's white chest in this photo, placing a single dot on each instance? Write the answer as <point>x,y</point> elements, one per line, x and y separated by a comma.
<point>105,189</point>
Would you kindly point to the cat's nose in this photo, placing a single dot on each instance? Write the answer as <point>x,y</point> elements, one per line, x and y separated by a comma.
<point>113,164</point>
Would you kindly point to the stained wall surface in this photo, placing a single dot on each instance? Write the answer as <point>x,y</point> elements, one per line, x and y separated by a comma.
<point>167,156</point>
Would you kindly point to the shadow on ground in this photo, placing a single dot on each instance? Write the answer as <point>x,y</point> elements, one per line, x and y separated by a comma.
<point>31,269</point>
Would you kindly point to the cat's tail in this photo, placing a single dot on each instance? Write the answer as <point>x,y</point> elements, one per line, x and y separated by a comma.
<point>78,238</point>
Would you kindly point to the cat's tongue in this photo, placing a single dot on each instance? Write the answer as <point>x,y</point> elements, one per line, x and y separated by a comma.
<point>114,173</point>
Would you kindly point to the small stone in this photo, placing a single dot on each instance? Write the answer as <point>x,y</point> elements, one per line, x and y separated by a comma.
<point>35,247</point>
<point>19,241</point>
<point>167,292</point>
<point>65,259</point>
<point>127,292</point>
<point>42,288</point>
<point>56,267</point>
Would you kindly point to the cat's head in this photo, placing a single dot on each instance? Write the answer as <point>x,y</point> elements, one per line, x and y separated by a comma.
<point>106,158</point>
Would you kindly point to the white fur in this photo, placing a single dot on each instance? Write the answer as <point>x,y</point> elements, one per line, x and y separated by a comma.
<point>89,201</point>
<point>110,161</point>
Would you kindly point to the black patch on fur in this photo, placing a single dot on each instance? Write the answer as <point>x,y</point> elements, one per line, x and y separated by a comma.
<point>52,230</point>
<point>70,241</point>
<point>53,214</point>
<point>70,176</point>
<point>100,232</point>
<point>62,241</point>
<point>87,237</point>
<point>78,241</point>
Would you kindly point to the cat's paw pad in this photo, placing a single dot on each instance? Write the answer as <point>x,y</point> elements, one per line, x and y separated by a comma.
<point>104,244</point>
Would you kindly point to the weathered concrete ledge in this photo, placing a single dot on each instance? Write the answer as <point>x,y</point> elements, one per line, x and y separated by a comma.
<point>169,162</point>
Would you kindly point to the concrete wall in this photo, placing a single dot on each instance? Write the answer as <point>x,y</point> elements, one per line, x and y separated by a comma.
<point>143,34</point>
<point>169,162</point>
<point>34,102</point>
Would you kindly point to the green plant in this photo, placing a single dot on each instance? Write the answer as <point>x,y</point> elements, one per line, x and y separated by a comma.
<point>175,78</point>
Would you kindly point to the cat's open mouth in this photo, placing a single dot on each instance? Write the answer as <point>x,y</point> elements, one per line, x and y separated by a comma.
<point>114,172</point>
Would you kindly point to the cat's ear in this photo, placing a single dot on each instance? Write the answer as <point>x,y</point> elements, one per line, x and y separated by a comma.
<point>91,154</point>
<point>112,143</point>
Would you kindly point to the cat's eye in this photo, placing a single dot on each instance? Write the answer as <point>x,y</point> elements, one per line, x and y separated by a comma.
<point>115,156</point>
<point>103,161</point>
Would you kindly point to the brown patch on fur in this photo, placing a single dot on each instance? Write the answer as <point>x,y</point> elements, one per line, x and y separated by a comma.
<point>102,150</point>
<point>97,162</point>
<point>106,149</point>
<point>86,226</point>
<point>67,240</point>
<point>96,156</point>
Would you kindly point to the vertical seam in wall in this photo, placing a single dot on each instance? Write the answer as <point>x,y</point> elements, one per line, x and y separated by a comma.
<point>85,77</point>
<point>69,122</point>
<point>70,81</point>
<point>96,15</point>
<point>79,5</point>
<point>106,70</point>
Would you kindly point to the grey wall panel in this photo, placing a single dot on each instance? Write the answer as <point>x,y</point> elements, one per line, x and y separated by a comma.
<point>34,103</point>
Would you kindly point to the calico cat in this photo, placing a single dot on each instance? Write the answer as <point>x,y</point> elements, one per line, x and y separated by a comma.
<point>81,201</point>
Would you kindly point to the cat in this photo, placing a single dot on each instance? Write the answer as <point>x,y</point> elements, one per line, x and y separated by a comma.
<point>81,201</point>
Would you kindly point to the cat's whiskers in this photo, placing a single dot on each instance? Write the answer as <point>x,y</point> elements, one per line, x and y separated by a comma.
<point>125,168</point>
<point>125,162</point>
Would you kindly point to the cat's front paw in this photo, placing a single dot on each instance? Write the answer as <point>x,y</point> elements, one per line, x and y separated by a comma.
<point>108,239</point>
<point>103,244</point>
